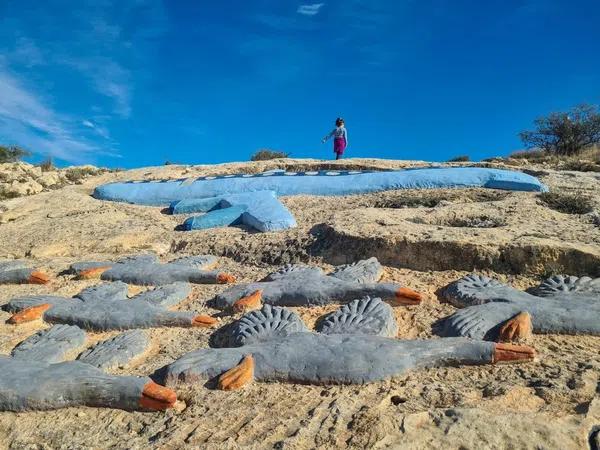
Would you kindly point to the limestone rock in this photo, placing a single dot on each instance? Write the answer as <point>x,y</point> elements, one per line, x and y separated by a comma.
<point>19,179</point>
<point>10,216</point>
<point>51,249</point>
<point>25,188</point>
<point>50,179</point>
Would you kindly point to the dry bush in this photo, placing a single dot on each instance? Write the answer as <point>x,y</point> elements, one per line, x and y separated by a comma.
<point>588,160</point>
<point>5,194</point>
<point>76,174</point>
<point>266,154</point>
<point>581,166</point>
<point>576,203</point>
<point>460,158</point>
<point>431,199</point>
<point>493,159</point>
<point>409,201</point>
<point>531,155</point>
<point>47,165</point>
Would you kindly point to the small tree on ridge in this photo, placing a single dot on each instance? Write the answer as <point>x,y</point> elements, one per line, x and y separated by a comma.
<point>565,133</point>
<point>12,153</point>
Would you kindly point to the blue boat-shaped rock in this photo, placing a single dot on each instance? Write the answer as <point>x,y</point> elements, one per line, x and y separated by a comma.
<point>254,196</point>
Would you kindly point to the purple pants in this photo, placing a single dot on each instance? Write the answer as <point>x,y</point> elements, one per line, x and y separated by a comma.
<point>339,145</point>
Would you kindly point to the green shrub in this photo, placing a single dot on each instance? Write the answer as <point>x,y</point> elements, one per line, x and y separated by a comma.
<point>460,158</point>
<point>266,154</point>
<point>12,153</point>
<point>567,203</point>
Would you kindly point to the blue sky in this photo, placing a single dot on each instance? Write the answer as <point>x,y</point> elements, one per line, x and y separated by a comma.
<point>127,83</point>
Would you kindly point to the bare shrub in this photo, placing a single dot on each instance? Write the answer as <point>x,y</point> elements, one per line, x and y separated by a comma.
<point>47,165</point>
<point>576,203</point>
<point>266,154</point>
<point>460,158</point>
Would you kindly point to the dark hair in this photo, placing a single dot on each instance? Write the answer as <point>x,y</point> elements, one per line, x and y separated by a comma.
<point>339,121</point>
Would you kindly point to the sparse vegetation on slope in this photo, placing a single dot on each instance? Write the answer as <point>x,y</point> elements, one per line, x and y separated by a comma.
<point>531,155</point>
<point>431,199</point>
<point>266,154</point>
<point>460,158</point>
<point>6,194</point>
<point>587,160</point>
<point>47,165</point>
<point>576,203</point>
<point>76,174</point>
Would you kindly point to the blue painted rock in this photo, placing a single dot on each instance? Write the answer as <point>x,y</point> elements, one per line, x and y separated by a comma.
<point>165,192</point>
<point>259,210</point>
<point>252,199</point>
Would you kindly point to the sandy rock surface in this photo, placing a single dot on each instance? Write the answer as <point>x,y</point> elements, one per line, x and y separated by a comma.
<point>426,239</point>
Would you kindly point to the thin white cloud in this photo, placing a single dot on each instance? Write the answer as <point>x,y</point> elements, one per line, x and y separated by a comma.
<point>98,46</point>
<point>310,10</point>
<point>99,129</point>
<point>26,120</point>
<point>108,78</point>
<point>99,54</point>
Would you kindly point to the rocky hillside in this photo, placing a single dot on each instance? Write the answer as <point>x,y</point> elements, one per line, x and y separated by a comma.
<point>425,239</point>
<point>19,178</point>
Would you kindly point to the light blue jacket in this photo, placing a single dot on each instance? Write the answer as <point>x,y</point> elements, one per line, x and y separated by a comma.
<point>338,132</point>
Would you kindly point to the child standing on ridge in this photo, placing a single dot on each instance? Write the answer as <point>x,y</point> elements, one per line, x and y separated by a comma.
<point>340,138</point>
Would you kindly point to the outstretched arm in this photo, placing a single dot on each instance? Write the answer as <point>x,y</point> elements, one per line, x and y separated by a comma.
<point>328,135</point>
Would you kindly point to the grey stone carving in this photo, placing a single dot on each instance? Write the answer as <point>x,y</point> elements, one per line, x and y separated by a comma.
<point>106,307</point>
<point>258,326</point>
<point>54,344</point>
<point>365,316</point>
<point>50,345</point>
<point>20,272</point>
<point>494,311</point>
<point>318,358</point>
<point>117,351</point>
<point>310,286</point>
<point>147,270</point>
<point>35,378</point>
